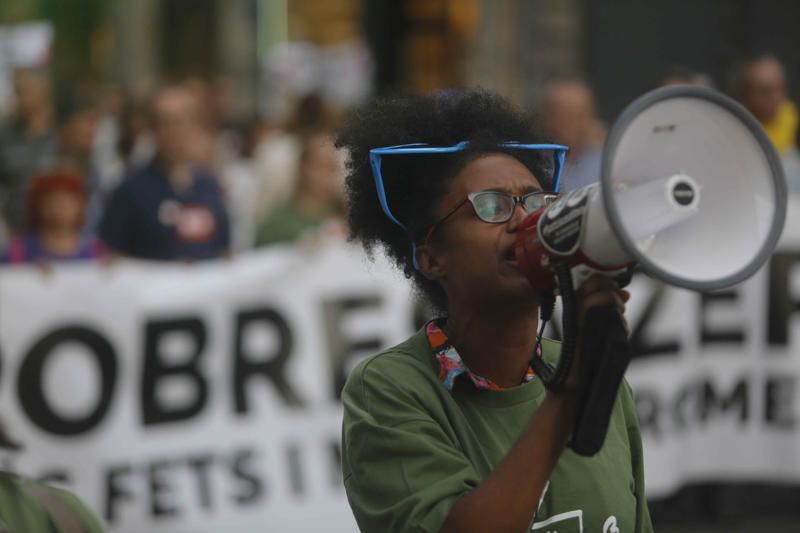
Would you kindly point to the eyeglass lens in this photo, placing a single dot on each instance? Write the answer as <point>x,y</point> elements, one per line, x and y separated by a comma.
<point>493,206</point>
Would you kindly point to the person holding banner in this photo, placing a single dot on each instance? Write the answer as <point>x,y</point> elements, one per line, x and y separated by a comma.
<point>172,208</point>
<point>451,430</point>
<point>55,212</point>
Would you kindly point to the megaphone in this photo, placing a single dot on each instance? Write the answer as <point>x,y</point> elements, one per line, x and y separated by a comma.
<point>691,191</point>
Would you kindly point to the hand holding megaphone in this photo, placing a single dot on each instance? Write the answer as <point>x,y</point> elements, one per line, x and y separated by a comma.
<point>691,190</point>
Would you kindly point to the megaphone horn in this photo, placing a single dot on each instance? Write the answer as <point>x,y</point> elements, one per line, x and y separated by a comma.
<point>687,174</point>
<point>686,170</point>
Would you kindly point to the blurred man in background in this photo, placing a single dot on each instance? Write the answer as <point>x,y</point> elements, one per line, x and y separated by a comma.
<point>763,92</point>
<point>569,118</point>
<point>27,143</point>
<point>170,209</point>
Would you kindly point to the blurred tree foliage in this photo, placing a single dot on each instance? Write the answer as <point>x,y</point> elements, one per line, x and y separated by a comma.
<point>82,36</point>
<point>19,11</point>
<point>78,34</point>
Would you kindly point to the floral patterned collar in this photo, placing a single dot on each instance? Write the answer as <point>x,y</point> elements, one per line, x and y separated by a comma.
<point>450,364</point>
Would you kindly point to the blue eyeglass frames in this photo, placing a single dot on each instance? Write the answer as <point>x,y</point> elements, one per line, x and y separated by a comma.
<point>376,155</point>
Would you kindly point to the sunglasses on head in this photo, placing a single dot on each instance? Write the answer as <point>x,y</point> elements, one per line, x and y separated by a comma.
<point>487,201</point>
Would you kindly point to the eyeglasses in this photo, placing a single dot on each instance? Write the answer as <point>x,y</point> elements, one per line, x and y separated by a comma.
<point>376,156</point>
<point>496,207</point>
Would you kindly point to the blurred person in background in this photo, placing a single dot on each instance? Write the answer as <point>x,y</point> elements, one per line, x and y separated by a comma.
<point>763,91</point>
<point>171,209</point>
<point>106,156</point>
<point>317,198</point>
<point>231,131</point>
<point>224,148</point>
<point>241,184</point>
<point>569,118</point>
<point>76,125</point>
<point>277,153</point>
<point>207,124</point>
<point>680,75</point>
<point>217,139</point>
<point>27,506</point>
<point>135,145</point>
<point>27,143</point>
<point>55,209</point>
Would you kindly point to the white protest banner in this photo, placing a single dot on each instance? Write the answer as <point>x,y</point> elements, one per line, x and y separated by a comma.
<point>717,377</point>
<point>194,398</point>
<point>205,398</point>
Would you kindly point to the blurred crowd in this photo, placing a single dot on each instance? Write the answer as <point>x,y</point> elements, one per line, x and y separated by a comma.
<point>760,85</point>
<point>162,175</point>
<point>167,175</point>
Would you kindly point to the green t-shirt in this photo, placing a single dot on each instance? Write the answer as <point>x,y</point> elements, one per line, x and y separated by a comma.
<point>30,507</point>
<point>411,448</point>
<point>286,224</point>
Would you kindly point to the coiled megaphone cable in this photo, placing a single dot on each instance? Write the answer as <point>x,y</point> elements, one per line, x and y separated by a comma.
<point>556,378</point>
<point>601,371</point>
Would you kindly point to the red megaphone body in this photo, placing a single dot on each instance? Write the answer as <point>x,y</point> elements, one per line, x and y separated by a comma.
<point>557,234</point>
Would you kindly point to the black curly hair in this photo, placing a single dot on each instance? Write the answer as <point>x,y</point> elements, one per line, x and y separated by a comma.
<point>416,183</point>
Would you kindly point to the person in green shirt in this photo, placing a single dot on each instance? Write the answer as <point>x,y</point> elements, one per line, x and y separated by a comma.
<point>27,506</point>
<point>317,197</point>
<point>452,430</point>
<point>30,507</point>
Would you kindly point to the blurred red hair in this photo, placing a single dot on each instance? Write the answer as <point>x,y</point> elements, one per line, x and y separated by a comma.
<point>44,184</point>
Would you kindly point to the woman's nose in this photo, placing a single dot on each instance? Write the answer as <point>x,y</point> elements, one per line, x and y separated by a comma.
<point>517,217</point>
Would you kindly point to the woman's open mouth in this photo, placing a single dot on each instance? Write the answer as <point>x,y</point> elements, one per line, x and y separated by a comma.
<point>510,257</point>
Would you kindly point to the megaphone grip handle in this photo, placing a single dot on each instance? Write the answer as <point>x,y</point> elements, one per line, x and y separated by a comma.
<point>605,354</point>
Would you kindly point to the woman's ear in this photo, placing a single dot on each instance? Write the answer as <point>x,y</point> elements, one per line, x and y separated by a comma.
<point>430,263</point>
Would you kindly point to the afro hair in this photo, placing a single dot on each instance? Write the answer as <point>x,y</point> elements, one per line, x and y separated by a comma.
<point>416,183</point>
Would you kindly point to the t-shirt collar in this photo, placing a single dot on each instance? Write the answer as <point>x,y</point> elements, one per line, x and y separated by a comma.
<point>451,367</point>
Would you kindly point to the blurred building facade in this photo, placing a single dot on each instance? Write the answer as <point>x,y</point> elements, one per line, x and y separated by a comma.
<point>622,48</point>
